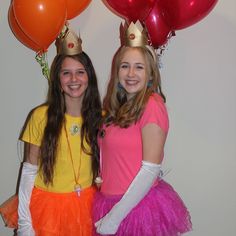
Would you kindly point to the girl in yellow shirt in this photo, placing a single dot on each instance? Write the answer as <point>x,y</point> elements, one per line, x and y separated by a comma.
<point>61,154</point>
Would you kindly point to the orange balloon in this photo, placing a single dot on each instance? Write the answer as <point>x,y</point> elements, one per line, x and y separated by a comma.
<point>19,34</point>
<point>40,20</point>
<point>75,7</point>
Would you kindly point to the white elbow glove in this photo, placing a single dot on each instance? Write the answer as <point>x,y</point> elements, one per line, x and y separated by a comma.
<point>139,187</point>
<point>28,175</point>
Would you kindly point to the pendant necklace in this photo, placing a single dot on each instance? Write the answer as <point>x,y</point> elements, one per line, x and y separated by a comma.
<point>77,186</point>
<point>74,129</point>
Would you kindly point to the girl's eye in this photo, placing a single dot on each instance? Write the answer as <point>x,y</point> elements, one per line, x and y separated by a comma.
<point>80,72</point>
<point>123,66</point>
<point>140,67</point>
<point>65,73</point>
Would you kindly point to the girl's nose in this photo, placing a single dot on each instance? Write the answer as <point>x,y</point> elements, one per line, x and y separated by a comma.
<point>73,76</point>
<point>131,72</point>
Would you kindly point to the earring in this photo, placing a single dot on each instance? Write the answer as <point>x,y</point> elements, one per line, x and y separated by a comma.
<point>119,86</point>
<point>149,83</point>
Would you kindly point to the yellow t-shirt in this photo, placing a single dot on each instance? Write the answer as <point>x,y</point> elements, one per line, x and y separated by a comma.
<point>63,180</point>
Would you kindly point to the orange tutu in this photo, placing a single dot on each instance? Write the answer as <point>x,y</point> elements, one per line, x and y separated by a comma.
<point>62,214</point>
<point>8,211</point>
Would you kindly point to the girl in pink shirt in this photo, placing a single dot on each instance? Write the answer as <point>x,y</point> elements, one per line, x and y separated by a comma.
<point>133,199</point>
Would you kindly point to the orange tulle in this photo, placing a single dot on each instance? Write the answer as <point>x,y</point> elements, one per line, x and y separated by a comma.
<point>62,214</point>
<point>8,211</point>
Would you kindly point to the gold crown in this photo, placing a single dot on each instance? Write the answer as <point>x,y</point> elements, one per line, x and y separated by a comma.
<point>68,43</point>
<point>134,35</point>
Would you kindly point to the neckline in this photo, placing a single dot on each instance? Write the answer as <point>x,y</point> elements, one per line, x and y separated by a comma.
<point>73,119</point>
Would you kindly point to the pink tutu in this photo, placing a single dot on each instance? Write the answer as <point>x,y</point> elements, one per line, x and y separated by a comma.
<point>160,213</point>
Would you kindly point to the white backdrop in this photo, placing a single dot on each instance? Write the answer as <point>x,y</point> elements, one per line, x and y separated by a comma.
<point>199,80</point>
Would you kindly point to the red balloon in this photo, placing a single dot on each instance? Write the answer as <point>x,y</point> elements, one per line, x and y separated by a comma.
<point>75,7</point>
<point>180,14</point>
<point>159,31</point>
<point>130,10</point>
<point>19,34</point>
<point>41,20</point>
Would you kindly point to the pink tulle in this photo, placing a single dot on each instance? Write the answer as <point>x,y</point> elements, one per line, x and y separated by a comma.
<point>160,213</point>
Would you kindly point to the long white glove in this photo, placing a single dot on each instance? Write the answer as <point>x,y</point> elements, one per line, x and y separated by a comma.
<point>28,175</point>
<point>139,187</point>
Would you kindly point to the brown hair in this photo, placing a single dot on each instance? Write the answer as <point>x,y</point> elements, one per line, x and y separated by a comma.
<point>90,111</point>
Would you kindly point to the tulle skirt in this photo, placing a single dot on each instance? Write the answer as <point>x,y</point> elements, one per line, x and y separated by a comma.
<point>8,211</point>
<point>62,214</point>
<point>160,213</point>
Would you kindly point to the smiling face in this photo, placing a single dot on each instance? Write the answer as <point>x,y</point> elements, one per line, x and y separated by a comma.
<point>132,73</point>
<point>73,79</point>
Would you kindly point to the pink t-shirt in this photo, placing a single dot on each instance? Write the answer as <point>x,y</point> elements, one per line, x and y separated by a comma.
<point>121,148</point>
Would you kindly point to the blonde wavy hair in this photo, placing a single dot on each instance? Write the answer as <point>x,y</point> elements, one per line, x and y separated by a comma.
<point>117,108</point>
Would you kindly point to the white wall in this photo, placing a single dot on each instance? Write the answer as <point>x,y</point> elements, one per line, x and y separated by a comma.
<point>199,79</point>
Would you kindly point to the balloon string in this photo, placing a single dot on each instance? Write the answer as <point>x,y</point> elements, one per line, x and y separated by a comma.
<point>161,49</point>
<point>41,58</point>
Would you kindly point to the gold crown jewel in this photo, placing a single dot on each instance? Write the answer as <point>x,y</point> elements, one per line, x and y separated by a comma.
<point>68,43</point>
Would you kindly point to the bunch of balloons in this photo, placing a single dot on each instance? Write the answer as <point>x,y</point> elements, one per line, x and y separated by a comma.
<point>37,23</point>
<point>162,17</point>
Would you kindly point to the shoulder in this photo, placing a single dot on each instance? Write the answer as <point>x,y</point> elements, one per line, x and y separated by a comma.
<point>38,114</point>
<point>40,110</point>
<point>34,125</point>
<point>155,112</point>
<point>155,104</point>
<point>155,99</point>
